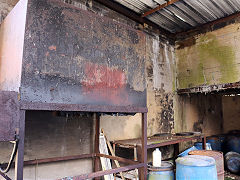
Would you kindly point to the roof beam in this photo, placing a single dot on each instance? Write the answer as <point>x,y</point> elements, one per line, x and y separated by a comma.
<point>131,14</point>
<point>206,26</point>
<point>169,2</point>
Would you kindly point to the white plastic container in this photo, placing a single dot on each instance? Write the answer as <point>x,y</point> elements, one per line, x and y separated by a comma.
<point>157,158</point>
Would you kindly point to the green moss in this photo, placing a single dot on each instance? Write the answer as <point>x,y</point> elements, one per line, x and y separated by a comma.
<point>188,77</point>
<point>210,48</point>
<point>207,53</point>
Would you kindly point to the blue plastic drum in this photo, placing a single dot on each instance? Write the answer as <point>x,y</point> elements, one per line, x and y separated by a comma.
<point>195,167</point>
<point>198,145</point>
<point>165,172</point>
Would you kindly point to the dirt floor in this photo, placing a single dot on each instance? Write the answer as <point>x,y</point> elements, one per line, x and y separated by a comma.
<point>229,176</point>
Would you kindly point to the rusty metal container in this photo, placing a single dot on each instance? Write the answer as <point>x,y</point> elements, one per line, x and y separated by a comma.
<point>53,52</point>
<point>217,155</point>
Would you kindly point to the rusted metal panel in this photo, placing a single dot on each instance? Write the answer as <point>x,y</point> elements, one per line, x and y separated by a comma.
<point>74,56</point>
<point>9,115</point>
<point>80,108</point>
<point>211,88</point>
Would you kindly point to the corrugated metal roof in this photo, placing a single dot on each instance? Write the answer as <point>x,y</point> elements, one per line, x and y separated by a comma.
<point>184,14</point>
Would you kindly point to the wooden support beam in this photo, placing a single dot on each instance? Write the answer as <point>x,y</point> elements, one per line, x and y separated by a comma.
<point>159,7</point>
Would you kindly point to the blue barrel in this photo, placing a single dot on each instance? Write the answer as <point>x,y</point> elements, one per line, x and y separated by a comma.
<point>198,145</point>
<point>195,167</point>
<point>217,142</point>
<point>185,153</point>
<point>232,162</point>
<point>232,143</point>
<point>165,172</point>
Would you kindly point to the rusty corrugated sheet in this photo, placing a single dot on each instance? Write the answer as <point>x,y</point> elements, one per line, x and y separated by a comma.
<point>184,14</point>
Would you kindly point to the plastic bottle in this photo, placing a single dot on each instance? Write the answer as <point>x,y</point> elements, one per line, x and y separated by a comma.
<point>157,157</point>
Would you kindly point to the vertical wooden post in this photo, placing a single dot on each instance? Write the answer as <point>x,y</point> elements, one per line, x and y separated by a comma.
<point>20,152</point>
<point>143,171</point>
<point>96,144</point>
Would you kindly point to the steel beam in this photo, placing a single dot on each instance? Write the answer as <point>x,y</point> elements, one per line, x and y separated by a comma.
<point>159,7</point>
<point>96,144</point>
<point>206,25</point>
<point>111,171</point>
<point>210,88</point>
<point>81,108</point>
<point>182,139</point>
<point>58,159</point>
<point>143,157</point>
<point>131,14</point>
<point>20,153</point>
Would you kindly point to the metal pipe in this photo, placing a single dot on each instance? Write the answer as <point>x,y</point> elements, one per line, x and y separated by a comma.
<point>14,151</point>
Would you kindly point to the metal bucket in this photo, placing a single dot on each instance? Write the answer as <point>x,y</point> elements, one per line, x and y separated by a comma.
<point>165,172</point>
<point>218,156</point>
<point>195,167</point>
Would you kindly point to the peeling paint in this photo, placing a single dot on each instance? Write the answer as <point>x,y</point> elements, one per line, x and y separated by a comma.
<point>156,69</point>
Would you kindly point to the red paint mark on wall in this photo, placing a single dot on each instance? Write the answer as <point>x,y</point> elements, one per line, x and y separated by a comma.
<point>105,84</point>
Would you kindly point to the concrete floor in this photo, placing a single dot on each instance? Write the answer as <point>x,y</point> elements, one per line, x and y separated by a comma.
<point>229,176</point>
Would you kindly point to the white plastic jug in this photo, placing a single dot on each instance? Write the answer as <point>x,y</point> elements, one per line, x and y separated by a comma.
<point>157,157</point>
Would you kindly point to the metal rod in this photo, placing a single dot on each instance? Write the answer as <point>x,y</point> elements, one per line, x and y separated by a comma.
<point>172,142</point>
<point>111,171</point>
<point>143,171</point>
<point>20,152</point>
<point>58,159</point>
<point>123,160</point>
<point>96,144</point>
<point>5,176</point>
<point>159,8</point>
<point>13,154</point>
